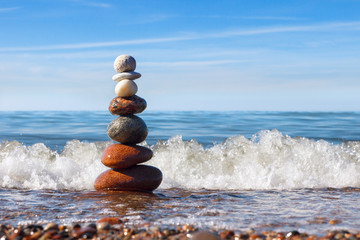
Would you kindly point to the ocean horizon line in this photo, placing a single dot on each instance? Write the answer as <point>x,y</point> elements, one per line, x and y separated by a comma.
<point>209,111</point>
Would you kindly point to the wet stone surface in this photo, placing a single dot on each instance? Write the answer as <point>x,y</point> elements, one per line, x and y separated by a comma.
<point>137,178</point>
<point>128,130</point>
<point>127,105</point>
<point>124,156</point>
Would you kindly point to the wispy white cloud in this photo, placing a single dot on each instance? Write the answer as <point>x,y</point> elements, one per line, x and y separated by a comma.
<point>93,4</point>
<point>330,26</point>
<point>147,19</point>
<point>95,45</point>
<point>279,18</point>
<point>192,63</point>
<point>8,9</point>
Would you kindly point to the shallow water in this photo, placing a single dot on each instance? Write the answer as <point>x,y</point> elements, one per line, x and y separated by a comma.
<point>237,170</point>
<point>306,210</point>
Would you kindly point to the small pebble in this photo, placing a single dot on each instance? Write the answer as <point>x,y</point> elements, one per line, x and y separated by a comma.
<point>188,228</point>
<point>92,225</point>
<point>124,63</point>
<point>126,88</point>
<point>334,221</point>
<point>203,235</point>
<point>36,235</point>
<point>243,236</point>
<point>227,234</point>
<point>126,75</point>
<point>76,227</point>
<point>51,226</point>
<point>292,234</point>
<point>86,231</point>
<point>48,234</point>
<point>103,226</point>
<point>110,220</point>
<point>257,236</point>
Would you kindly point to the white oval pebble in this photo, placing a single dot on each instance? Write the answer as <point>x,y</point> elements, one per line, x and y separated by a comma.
<point>126,88</point>
<point>50,226</point>
<point>124,63</point>
<point>126,75</point>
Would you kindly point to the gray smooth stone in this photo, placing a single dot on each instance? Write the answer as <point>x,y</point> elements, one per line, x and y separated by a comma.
<point>203,235</point>
<point>126,75</point>
<point>124,63</point>
<point>128,129</point>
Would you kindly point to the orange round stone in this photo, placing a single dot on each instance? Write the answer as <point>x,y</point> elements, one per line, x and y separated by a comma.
<point>124,156</point>
<point>141,178</point>
<point>110,220</point>
<point>127,105</point>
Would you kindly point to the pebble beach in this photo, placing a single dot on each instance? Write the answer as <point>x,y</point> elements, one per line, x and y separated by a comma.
<point>115,228</point>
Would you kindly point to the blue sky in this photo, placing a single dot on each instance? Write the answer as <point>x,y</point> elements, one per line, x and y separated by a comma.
<point>193,55</point>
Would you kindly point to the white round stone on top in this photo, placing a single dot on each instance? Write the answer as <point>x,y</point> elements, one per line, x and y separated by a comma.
<point>124,63</point>
<point>126,88</point>
<point>126,75</point>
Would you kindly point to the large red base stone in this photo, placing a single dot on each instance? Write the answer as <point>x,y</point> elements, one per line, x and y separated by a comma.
<point>141,178</point>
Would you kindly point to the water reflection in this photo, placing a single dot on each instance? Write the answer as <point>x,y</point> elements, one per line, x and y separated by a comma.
<point>309,210</point>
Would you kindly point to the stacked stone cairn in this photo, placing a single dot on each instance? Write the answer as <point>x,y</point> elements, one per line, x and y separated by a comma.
<point>124,157</point>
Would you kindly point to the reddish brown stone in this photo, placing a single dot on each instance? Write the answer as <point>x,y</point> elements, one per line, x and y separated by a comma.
<point>124,156</point>
<point>127,105</point>
<point>141,178</point>
<point>87,231</point>
<point>110,220</point>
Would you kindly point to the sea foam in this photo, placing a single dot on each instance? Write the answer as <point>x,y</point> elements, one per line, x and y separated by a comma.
<point>269,160</point>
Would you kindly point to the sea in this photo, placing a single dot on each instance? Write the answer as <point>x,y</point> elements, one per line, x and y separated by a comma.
<point>241,170</point>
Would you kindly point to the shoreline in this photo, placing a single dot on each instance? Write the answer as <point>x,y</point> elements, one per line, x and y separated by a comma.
<point>115,228</point>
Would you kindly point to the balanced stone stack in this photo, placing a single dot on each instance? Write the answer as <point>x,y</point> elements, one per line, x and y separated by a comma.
<point>124,157</point>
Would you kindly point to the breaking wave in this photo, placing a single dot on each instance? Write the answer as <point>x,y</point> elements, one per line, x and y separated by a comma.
<point>269,160</point>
